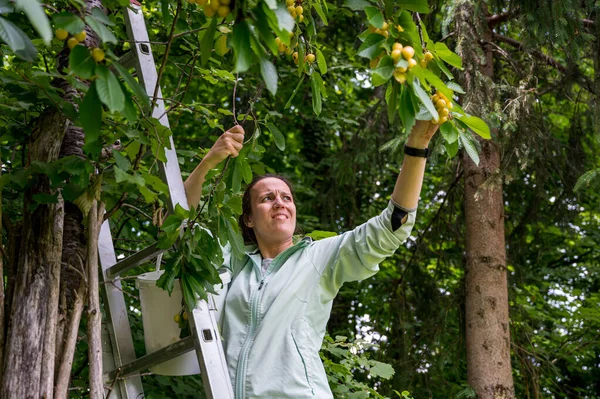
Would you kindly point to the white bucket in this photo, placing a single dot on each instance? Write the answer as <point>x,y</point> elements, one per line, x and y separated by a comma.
<point>160,330</point>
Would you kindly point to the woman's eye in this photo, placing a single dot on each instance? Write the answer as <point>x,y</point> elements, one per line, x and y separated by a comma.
<point>287,198</point>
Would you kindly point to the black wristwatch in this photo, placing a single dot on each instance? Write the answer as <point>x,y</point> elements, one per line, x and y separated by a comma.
<point>416,152</point>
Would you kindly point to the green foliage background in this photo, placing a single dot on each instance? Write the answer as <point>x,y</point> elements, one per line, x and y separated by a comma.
<point>338,138</point>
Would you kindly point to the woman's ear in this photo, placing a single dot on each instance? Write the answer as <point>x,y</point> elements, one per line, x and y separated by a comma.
<point>248,221</point>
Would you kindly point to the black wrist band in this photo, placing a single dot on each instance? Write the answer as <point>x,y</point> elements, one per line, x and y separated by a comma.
<point>416,152</point>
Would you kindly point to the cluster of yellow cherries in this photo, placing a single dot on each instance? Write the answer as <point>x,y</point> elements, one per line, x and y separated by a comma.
<point>61,34</point>
<point>443,106</point>
<point>212,7</point>
<point>295,9</point>
<point>406,52</point>
<point>283,48</point>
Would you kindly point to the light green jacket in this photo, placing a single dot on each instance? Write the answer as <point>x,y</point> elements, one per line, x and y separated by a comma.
<point>273,324</point>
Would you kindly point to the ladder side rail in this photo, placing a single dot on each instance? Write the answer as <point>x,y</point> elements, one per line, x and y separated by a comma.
<point>209,348</point>
<point>117,321</point>
<point>138,258</point>
<point>146,68</point>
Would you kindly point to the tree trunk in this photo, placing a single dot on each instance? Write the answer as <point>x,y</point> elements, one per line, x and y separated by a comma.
<point>486,303</point>
<point>36,282</point>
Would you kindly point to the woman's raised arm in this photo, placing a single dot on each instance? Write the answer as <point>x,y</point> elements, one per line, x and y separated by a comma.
<point>408,185</point>
<point>229,143</point>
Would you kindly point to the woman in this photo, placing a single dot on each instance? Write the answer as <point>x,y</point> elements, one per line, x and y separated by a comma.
<point>281,293</point>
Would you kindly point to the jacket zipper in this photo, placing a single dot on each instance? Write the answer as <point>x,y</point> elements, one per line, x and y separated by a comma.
<point>241,370</point>
<point>240,375</point>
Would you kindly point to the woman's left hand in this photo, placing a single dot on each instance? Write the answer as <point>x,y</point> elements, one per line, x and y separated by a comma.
<point>421,134</point>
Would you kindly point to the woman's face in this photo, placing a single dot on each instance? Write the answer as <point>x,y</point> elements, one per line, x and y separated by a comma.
<point>273,216</point>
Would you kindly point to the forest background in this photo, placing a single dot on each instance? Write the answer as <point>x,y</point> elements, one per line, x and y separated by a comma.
<point>518,233</point>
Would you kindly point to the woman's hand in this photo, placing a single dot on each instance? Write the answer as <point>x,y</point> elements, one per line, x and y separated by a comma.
<point>228,144</point>
<point>421,134</point>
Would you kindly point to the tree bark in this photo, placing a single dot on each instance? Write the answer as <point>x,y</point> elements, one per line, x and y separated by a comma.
<point>486,303</point>
<point>94,323</point>
<point>70,341</point>
<point>26,361</point>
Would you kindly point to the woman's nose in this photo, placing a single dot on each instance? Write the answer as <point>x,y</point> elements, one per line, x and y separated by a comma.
<point>277,203</point>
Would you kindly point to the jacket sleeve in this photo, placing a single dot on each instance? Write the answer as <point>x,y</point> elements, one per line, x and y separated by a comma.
<point>356,254</point>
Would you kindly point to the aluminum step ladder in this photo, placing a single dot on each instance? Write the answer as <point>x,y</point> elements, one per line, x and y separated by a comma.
<point>120,365</point>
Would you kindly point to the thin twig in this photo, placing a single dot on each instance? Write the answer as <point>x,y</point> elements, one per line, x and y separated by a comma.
<point>420,31</point>
<point>187,32</point>
<point>234,90</point>
<point>166,57</point>
<point>138,209</point>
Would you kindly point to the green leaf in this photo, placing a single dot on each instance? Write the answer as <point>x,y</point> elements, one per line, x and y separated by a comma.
<point>17,40</point>
<point>317,7</point>
<point>166,241</point>
<point>90,117</point>
<point>321,62</point>
<point>235,239</point>
<point>289,101</point>
<point>449,132</point>
<point>246,171</point>
<point>38,18</point>
<point>138,90</point>
<point>435,81</point>
<point>455,87</point>
<point>442,51</point>
<point>467,142</point>
<point>171,224</point>
<point>451,148</point>
<point>207,42</point>
<point>99,16</point>
<point>406,109</point>
<point>379,369</point>
<point>167,279</point>
<point>391,98</point>
<point>277,135</point>
<point>374,16</point>
<point>241,46</point>
<point>371,46</point>
<point>356,5</point>
<point>236,176</point>
<point>81,62</point>
<point>69,22</point>
<point>105,35</point>
<point>121,160</point>
<point>422,95</point>
<point>6,7</point>
<point>284,19</point>
<point>414,5</point>
<point>316,95</point>
<point>235,204</point>
<point>269,74</point>
<point>109,89</point>
<point>475,124</point>
<point>384,71</point>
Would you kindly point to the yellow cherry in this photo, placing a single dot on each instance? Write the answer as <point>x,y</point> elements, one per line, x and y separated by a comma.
<point>310,58</point>
<point>223,11</point>
<point>61,34</point>
<point>209,11</point>
<point>397,46</point>
<point>98,54</point>
<point>177,318</point>
<point>412,62</point>
<point>408,52</point>
<point>396,54</point>
<point>72,42</point>
<point>423,63</point>
<point>299,10</point>
<point>435,98</point>
<point>80,36</point>
<point>428,56</point>
<point>399,76</point>
<point>440,104</point>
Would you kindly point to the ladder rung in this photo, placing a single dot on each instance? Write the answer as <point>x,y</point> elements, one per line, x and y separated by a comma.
<point>134,260</point>
<point>162,355</point>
